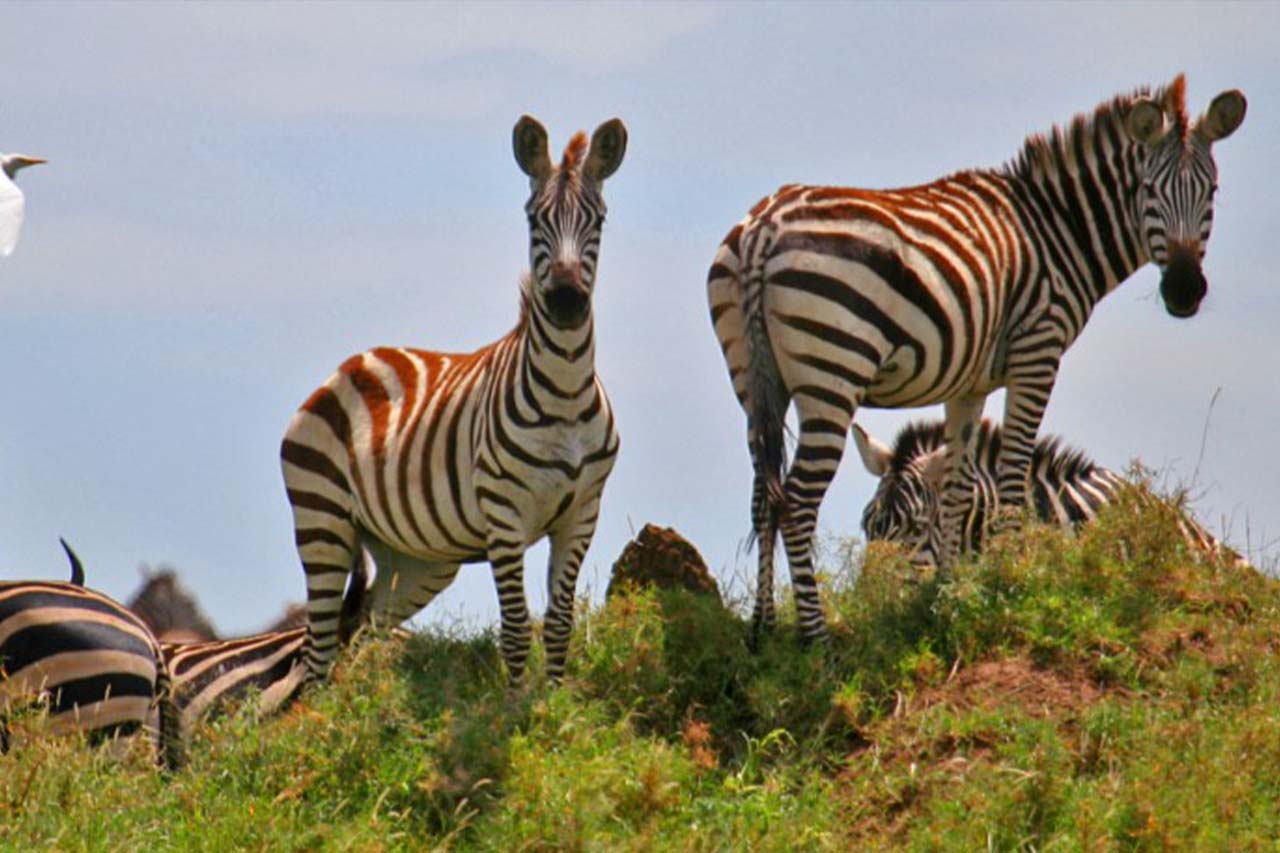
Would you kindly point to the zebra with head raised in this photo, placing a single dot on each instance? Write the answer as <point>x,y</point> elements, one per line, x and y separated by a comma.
<point>94,664</point>
<point>431,460</point>
<point>833,298</point>
<point>1066,488</point>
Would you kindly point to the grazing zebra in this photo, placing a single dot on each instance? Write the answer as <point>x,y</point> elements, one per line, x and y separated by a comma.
<point>833,298</point>
<point>1066,488</point>
<point>208,674</point>
<point>430,460</point>
<point>96,665</point>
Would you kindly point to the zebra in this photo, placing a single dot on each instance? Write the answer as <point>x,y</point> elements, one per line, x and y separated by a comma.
<point>431,460</point>
<point>1066,488</point>
<point>831,298</point>
<point>96,665</point>
<point>208,674</point>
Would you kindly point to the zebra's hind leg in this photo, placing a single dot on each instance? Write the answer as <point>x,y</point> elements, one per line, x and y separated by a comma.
<point>956,499</point>
<point>824,426</point>
<point>403,585</point>
<point>764,518</point>
<point>170,745</point>
<point>329,547</point>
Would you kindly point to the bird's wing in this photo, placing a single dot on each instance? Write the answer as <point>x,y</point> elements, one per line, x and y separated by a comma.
<point>11,209</point>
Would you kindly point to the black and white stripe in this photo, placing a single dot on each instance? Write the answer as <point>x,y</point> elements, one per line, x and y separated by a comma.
<point>1066,487</point>
<point>830,299</point>
<point>207,675</point>
<point>94,664</point>
<point>430,460</point>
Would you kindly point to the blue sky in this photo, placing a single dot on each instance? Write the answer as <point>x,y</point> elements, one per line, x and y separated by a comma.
<point>238,197</point>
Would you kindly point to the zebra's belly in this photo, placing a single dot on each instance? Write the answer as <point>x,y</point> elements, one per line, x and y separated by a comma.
<point>901,383</point>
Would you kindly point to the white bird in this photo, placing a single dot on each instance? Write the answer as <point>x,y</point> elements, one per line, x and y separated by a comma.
<point>11,201</point>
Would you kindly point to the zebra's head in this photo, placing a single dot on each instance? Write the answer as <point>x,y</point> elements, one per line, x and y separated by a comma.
<point>904,508</point>
<point>1177,179</point>
<point>566,214</point>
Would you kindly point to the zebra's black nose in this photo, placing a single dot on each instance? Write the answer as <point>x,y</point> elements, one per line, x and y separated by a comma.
<point>1183,284</point>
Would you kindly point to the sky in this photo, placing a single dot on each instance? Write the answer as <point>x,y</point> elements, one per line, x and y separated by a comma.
<point>240,196</point>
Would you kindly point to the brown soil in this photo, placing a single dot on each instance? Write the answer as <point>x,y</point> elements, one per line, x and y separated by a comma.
<point>660,557</point>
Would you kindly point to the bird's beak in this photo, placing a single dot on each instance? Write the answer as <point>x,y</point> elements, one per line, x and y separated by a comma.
<point>22,161</point>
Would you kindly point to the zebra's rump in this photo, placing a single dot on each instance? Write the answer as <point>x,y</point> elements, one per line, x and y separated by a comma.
<point>91,662</point>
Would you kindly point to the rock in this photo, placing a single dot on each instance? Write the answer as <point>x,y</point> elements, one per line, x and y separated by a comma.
<point>662,558</point>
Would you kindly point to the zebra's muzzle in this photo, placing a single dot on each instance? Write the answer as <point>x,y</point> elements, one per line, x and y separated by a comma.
<point>567,305</point>
<point>1183,284</point>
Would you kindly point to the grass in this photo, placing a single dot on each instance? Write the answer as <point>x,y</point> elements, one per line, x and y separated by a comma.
<point>1096,692</point>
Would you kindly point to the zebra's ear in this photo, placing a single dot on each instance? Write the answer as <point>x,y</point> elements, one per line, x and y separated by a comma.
<point>608,145</point>
<point>934,467</point>
<point>1224,115</point>
<point>875,455</point>
<point>1146,122</point>
<point>529,139</point>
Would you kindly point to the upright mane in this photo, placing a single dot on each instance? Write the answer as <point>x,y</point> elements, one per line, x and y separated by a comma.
<point>920,438</point>
<point>574,152</point>
<point>917,439</point>
<point>1043,153</point>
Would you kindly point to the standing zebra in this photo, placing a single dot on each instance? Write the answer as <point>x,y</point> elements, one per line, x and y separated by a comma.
<point>431,460</point>
<point>833,298</point>
<point>96,665</point>
<point>1066,488</point>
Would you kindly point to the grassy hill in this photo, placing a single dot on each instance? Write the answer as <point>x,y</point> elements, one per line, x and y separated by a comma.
<point>1101,691</point>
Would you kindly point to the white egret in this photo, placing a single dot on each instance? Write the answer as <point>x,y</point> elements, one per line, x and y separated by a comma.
<point>11,201</point>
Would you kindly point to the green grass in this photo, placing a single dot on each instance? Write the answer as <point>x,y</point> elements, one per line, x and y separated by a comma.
<point>1095,692</point>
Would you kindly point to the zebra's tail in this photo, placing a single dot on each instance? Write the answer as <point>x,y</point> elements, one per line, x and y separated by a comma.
<point>170,747</point>
<point>77,567</point>
<point>766,392</point>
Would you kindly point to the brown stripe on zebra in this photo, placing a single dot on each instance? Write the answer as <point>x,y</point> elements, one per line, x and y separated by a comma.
<point>833,298</point>
<point>432,460</point>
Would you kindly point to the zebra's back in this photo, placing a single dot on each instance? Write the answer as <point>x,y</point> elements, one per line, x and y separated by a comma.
<point>207,675</point>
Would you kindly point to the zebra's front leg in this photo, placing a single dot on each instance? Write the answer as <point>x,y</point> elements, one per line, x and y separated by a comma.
<point>824,427</point>
<point>956,498</point>
<point>764,519</point>
<point>507,558</point>
<point>568,548</point>
<point>1024,405</point>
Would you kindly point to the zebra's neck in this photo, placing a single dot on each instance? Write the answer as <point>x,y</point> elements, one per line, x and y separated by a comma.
<point>556,367</point>
<point>1075,193</point>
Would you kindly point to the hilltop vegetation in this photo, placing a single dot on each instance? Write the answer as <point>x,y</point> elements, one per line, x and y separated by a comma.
<point>1101,691</point>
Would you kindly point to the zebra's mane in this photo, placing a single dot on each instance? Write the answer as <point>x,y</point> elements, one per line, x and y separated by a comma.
<point>1047,153</point>
<point>920,438</point>
<point>574,153</point>
<point>916,440</point>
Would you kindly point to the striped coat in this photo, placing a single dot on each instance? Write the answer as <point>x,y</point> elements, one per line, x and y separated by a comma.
<point>1066,488</point>
<point>94,664</point>
<point>430,460</point>
<point>207,675</point>
<point>832,298</point>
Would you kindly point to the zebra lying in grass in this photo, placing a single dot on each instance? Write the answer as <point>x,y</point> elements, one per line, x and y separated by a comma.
<point>93,663</point>
<point>209,674</point>
<point>1065,487</point>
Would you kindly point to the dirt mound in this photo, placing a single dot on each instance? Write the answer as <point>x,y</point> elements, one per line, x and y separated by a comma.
<point>1038,692</point>
<point>660,557</point>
